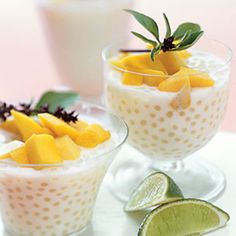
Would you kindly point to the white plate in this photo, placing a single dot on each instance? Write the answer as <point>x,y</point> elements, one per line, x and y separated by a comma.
<point>110,220</point>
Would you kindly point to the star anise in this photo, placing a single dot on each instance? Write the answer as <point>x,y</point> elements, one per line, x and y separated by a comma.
<point>26,108</point>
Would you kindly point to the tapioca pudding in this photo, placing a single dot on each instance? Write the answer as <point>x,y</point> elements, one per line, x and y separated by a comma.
<point>169,116</point>
<point>52,171</point>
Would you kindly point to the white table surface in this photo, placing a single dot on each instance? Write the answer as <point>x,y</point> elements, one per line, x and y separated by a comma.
<point>110,220</point>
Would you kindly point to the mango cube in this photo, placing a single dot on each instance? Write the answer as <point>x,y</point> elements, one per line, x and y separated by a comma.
<point>88,138</point>
<point>102,133</point>
<point>155,80</point>
<point>197,78</point>
<point>182,99</point>
<point>143,61</point>
<point>19,155</point>
<point>10,126</point>
<point>175,83</point>
<point>26,125</point>
<point>132,79</point>
<point>42,149</point>
<point>171,61</point>
<point>68,149</point>
<point>57,126</point>
<point>79,125</point>
<point>184,54</point>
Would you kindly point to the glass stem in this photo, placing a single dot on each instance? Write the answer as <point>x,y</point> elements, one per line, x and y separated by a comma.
<point>167,166</point>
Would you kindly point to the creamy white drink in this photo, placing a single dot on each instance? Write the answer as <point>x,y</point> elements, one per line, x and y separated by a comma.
<point>77,30</point>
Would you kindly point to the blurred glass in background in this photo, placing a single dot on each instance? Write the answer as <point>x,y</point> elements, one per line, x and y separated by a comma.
<point>76,32</point>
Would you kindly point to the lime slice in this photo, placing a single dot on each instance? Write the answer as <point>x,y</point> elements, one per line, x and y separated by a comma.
<point>183,217</point>
<point>156,189</point>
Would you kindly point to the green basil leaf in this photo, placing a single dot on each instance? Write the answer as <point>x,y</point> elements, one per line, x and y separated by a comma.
<point>154,51</point>
<point>147,22</point>
<point>55,99</point>
<point>168,28</point>
<point>183,28</point>
<point>146,40</point>
<point>190,40</point>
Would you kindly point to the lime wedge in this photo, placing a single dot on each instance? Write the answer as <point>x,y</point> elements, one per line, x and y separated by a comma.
<point>183,217</point>
<point>156,189</point>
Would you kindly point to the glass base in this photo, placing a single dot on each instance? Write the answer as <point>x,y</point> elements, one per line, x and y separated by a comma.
<point>195,177</point>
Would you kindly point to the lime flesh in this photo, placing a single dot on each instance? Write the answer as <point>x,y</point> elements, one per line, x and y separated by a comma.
<point>156,189</point>
<point>183,217</point>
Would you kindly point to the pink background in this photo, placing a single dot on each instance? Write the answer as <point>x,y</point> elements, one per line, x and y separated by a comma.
<point>26,69</point>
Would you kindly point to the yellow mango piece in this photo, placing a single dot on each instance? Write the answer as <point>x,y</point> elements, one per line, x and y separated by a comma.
<point>117,64</point>
<point>68,149</point>
<point>19,155</point>
<point>5,149</point>
<point>182,99</point>
<point>175,83</point>
<point>79,125</point>
<point>132,79</point>
<point>26,125</point>
<point>10,126</point>
<point>42,149</point>
<point>57,126</point>
<point>143,61</point>
<point>184,54</point>
<point>102,133</point>
<point>171,61</point>
<point>88,138</point>
<point>5,156</point>
<point>155,80</point>
<point>197,78</point>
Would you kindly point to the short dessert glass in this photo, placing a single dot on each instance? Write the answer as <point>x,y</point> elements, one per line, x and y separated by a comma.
<point>166,135</point>
<point>58,199</point>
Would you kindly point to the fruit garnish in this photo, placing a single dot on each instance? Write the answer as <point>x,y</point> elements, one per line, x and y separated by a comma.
<point>184,37</point>
<point>183,217</point>
<point>156,189</point>
<point>50,102</point>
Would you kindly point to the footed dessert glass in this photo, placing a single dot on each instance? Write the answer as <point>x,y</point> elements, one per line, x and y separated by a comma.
<point>58,199</point>
<point>164,129</point>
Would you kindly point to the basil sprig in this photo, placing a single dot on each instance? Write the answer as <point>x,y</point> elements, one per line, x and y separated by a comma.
<point>185,36</point>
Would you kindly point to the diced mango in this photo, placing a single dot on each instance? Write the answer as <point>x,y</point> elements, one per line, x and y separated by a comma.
<point>102,133</point>
<point>26,125</point>
<point>171,61</point>
<point>57,126</point>
<point>132,79</point>
<point>117,64</point>
<point>79,125</point>
<point>19,155</point>
<point>155,80</point>
<point>42,149</point>
<point>184,54</point>
<point>5,149</point>
<point>175,83</point>
<point>10,126</point>
<point>143,61</point>
<point>182,99</point>
<point>198,78</point>
<point>88,138</point>
<point>48,131</point>
<point>68,149</point>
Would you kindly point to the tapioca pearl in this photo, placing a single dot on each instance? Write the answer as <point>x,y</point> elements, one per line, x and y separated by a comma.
<point>199,102</point>
<point>143,122</point>
<point>162,130</point>
<point>152,115</point>
<point>197,116</point>
<point>184,130</point>
<point>193,123</point>
<point>10,196</point>
<point>186,141</point>
<point>146,132</point>
<point>29,197</point>
<point>21,205</point>
<point>188,119</point>
<point>206,108</point>
<point>169,114</point>
<point>36,213</point>
<point>213,103</point>
<point>162,119</point>
<point>154,125</point>
<point>164,141</point>
<point>175,127</point>
<point>171,134</point>
<point>177,139</point>
<point>192,109</point>
<point>182,113</point>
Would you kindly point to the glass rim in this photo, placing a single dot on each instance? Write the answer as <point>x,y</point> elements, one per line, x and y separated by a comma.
<point>107,60</point>
<point>78,163</point>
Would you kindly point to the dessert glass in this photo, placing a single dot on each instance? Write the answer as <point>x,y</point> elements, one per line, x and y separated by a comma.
<point>166,135</point>
<point>76,32</point>
<point>58,199</point>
